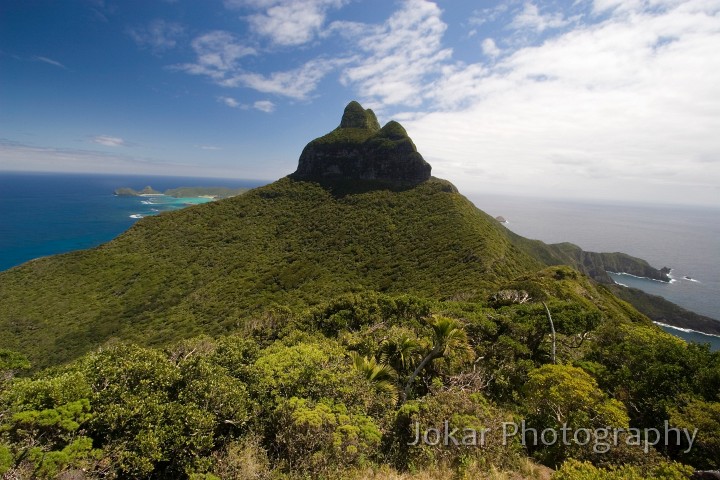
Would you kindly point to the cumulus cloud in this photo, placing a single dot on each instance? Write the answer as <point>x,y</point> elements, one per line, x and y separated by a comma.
<point>531,18</point>
<point>489,48</point>
<point>108,141</point>
<point>264,106</point>
<point>159,35</point>
<point>297,83</point>
<point>629,102</point>
<point>398,57</point>
<point>218,55</point>
<point>286,22</point>
<point>229,101</point>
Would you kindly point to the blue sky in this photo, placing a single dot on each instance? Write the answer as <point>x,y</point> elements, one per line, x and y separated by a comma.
<point>576,99</point>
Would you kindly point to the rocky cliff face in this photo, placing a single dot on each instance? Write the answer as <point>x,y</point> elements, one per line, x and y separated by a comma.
<point>360,149</point>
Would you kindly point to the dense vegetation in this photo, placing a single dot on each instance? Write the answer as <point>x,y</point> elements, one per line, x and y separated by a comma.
<point>334,392</point>
<point>303,330</point>
<point>206,268</point>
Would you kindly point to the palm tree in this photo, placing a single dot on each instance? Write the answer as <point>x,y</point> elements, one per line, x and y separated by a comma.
<point>447,333</point>
<point>399,353</point>
<point>382,376</point>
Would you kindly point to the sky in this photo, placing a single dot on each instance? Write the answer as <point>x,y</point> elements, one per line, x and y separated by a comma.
<point>584,99</point>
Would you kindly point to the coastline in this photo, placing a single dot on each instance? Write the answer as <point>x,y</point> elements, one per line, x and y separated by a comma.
<point>686,330</point>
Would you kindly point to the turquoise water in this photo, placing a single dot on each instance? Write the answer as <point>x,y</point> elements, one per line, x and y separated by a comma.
<point>44,214</point>
<point>153,204</point>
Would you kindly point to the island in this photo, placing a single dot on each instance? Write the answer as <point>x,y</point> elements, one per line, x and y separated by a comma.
<point>214,193</point>
<point>129,192</point>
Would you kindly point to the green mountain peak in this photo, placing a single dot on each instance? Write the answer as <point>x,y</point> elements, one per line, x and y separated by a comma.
<point>355,116</point>
<point>359,149</point>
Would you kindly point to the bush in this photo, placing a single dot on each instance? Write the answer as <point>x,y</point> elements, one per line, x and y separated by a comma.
<point>575,470</point>
<point>316,437</point>
<point>461,411</point>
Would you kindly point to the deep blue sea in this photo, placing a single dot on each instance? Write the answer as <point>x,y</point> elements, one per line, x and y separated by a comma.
<point>45,214</point>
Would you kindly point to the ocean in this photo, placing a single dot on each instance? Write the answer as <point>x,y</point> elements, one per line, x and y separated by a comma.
<point>45,214</point>
<point>48,213</point>
<point>684,238</point>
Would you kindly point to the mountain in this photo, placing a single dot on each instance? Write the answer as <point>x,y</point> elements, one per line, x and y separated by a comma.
<point>358,149</point>
<point>292,243</point>
<point>311,327</point>
<point>344,222</point>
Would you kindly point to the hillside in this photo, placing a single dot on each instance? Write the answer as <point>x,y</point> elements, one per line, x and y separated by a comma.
<point>308,328</point>
<point>294,243</point>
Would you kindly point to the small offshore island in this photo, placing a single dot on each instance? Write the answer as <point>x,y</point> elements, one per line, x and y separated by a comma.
<point>213,193</point>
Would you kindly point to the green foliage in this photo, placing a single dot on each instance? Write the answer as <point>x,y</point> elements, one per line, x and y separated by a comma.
<point>10,364</point>
<point>269,335</point>
<point>705,417</point>
<point>367,309</point>
<point>382,377</point>
<point>447,336</point>
<point>559,396</point>
<point>316,437</point>
<point>355,116</point>
<point>150,410</point>
<point>6,459</point>
<point>146,410</point>
<point>306,370</point>
<point>652,370</point>
<point>575,470</point>
<point>46,426</point>
<point>216,268</point>
<point>470,414</point>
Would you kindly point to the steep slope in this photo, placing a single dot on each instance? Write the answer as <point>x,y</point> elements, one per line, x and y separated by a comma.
<point>360,214</point>
<point>359,149</point>
<point>292,243</point>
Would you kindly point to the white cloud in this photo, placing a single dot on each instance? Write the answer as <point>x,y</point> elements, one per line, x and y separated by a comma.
<point>218,55</point>
<point>488,15</point>
<point>229,101</point>
<point>264,106</point>
<point>108,141</point>
<point>628,105</point>
<point>49,61</point>
<point>531,18</point>
<point>401,54</point>
<point>489,48</point>
<point>159,35</point>
<point>297,83</point>
<point>286,22</point>
<point>208,147</point>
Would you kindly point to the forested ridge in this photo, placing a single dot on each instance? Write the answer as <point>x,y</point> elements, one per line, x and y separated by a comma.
<point>335,328</point>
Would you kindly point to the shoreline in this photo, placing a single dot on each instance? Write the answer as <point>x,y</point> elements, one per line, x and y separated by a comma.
<point>686,330</point>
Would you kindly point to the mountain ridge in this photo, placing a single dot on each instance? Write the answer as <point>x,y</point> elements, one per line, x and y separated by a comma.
<point>295,243</point>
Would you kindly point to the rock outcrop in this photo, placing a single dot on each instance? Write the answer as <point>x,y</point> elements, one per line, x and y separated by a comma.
<point>360,149</point>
